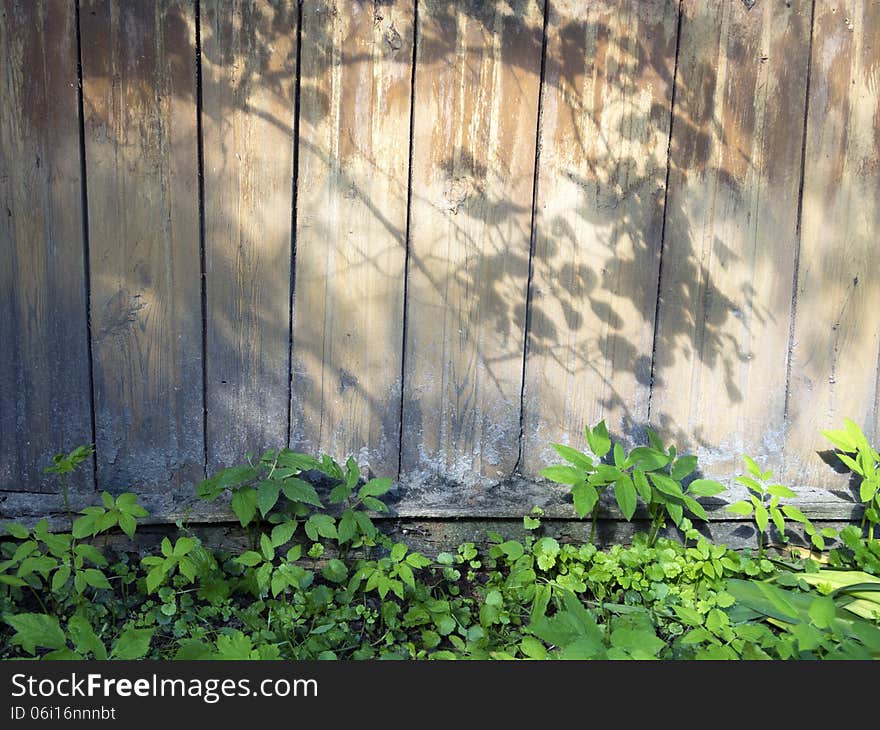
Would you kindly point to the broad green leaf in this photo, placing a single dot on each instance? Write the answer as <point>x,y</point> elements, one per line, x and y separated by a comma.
<point>297,490</point>
<point>59,579</point>
<point>619,456</point>
<point>867,490</point>
<point>563,474</point>
<point>84,638</point>
<point>641,484</point>
<point>374,504</point>
<point>740,508</point>
<point>405,574</point>
<point>751,484</point>
<point>96,578</point>
<point>339,493</point>
<point>266,547</point>
<point>682,467</point>
<point>598,439</point>
<point>761,517</point>
<point>133,644</point>
<point>83,526</point>
<point>573,456</point>
<point>183,546</point>
<point>17,531</point>
<point>823,612</point>
<point>244,504</point>
<point>36,629</point>
<point>249,558</point>
<point>335,571</point>
<point>281,534</point>
<point>676,512</point>
<point>666,485</point>
<point>347,527</point>
<point>778,520</point>
<point>90,553</point>
<point>695,507</point>
<point>375,488</point>
<point>225,479</point>
<point>532,648</point>
<point>398,551</point>
<point>793,513</point>
<point>778,490</point>
<point>267,495</point>
<point>127,524</point>
<point>625,493</point>
<point>648,459</point>
<point>705,488</point>
<point>321,525</point>
<point>585,498</point>
<point>752,466</point>
<point>513,549</point>
<point>842,440</point>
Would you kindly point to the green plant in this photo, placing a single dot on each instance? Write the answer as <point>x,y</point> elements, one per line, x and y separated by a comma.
<point>865,462</point>
<point>64,464</point>
<point>763,504</point>
<point>655,473</point>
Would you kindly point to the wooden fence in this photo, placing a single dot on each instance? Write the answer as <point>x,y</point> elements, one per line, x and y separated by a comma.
<point>436,235</point>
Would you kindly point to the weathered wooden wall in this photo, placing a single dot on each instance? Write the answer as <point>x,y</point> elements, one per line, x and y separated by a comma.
<point>437,235</point>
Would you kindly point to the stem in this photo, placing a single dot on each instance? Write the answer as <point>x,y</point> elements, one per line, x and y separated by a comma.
<point>39,600</point>
<point>593,526</point>
<point>66,500</point>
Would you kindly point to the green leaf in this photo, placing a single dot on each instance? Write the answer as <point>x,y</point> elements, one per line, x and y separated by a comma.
<point>740,508</point>
<point>585,498</point>
<point>323,525</point>
<point>375,488</point>
<point>619,457</point>
<point>297,490</point>
<point>761,517</point>
<point>625,493</point>
<point>563,474</point>
<point>84,638</point>
<point>96,578</point>
<point>83,526</point>
<point>127,524</point>
<point>90,553</point>
<point>398,551</point>
<point>648,459</point>
<point>793,513</point>
<point>751,484</point>
<point>347,527</point>
<point>405,574</point>
<point>778,520</point>
<point>244,504</point>
<point>266,547</point>
<point>513,549</point>
<point>249,558</point>
<point>335,571</point>
<point>267,495</point>
<point>573,456</point>
<point>374,504</point>
<point>682,467</point>
<point>133,644</point>
<point>530,523</point>
<point>667,486</point>
<point>183,546</point>
<point>695,507</point>
<point>339,493</point>
<point>598,439</point>
<point>752,466</point>
<point>842,440</point>
<point>36,629</point>
<point>225,479</point>
<point>778,490</point>
<point>59,579</point>
<point>641,484</point>
<point>532,648</point>
<point>867,490</point>
<point>281,534</point>
<point>17,531</point>
<point>705,488</point>
<point>823,612</point>
<point>352,472</point>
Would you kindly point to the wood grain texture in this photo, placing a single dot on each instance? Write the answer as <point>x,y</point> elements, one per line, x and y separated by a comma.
<point>476,100</point>
<point>837,328</point>
<point>731,231</point>
<point>248,89</point>
<point>44,363</point>
<point>603,142</point>
<point>351,230</point>
<point>139,84</point>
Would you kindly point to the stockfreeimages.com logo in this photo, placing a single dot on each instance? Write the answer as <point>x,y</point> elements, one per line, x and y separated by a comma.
<point>208,690</point>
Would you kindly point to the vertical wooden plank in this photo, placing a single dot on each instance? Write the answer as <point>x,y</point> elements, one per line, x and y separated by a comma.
<point>44,361</point>
<point>604,134</point>
<point>837,329</point>
<point>141,153</point>
<point>248,88</point>
<point>731,225</point>
<point>477,83</point>
<point>351,229</point>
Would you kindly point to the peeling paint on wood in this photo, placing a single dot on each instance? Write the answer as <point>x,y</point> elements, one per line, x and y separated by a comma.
<point>139,89</point>
<point>351,230</point>
<point>248,88</point>
<point>44,361</point>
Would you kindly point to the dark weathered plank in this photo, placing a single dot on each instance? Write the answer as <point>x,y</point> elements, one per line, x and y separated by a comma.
<point>44,362</point>
<point>603,142</point>
<point>351,229</point>
<point>139,83</point>
<point>248,89</point>
<point>476,98</point>
<point>731,230</point>
<point>837,328</point>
